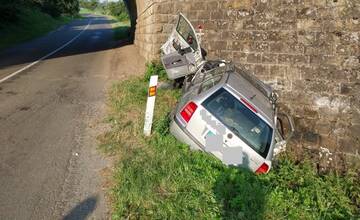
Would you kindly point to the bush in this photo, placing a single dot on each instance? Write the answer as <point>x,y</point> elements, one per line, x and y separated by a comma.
<point>155,68</point>
<point>50,7</point>
<point>9,11</point>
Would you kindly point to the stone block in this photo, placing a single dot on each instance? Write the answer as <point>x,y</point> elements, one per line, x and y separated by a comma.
<point>239,46</point>
<point>347,145</point>
<point>254,58</point>
<point>238,4</point>
<point>218,45</point>
<point>239,57</point>
<point>217,15</point>
<point>259,46</point>
<point>311,137</point>
<point>212,5</point>
<point>203,15</point>
<point>269,58</point>
<point>355,132</point>
<point>307,24</point>
<point>279,47</point>
<point>278,71</point>
<point>293,59</point>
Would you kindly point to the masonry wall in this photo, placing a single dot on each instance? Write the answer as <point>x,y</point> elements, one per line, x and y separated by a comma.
<point>308,50</point>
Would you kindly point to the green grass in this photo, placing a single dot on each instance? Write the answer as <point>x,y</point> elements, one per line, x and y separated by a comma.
<point>32,23</point>
<point>159,178</point>
<point>86,11</point>
<point>120,26</point>
<point>121,29</point>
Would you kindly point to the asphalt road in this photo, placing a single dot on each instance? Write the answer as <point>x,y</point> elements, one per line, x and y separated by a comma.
<point>49,165</point>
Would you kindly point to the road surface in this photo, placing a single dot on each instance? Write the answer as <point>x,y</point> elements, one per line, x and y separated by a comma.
<point>49,165</point>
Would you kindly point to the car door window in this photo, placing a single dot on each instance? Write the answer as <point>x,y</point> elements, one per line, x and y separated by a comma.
<point>187,33</point>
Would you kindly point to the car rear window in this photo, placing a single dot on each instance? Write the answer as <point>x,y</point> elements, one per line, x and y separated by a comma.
<point>240,120</point>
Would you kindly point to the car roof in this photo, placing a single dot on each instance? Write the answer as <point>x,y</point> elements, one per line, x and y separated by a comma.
<point>257,93</point>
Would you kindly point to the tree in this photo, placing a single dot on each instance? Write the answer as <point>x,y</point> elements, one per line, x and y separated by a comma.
<point>9,10</point>
<point>117,9</point>
<point>56,7</point>
<point>89,4</point>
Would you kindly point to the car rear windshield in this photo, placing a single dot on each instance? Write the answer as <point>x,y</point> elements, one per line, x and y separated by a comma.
<point>240,120</point>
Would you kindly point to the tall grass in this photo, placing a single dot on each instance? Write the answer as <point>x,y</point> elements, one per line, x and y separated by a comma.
<point>160,178</point>
<point>32,23</point>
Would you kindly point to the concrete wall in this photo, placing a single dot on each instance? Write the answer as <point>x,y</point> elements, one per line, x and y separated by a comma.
<point>309,50</point>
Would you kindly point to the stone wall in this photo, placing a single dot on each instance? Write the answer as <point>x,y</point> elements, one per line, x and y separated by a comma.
<point>309,50</point>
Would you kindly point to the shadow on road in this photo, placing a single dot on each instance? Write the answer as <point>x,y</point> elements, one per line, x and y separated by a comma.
<point>98,37</point>
<point>83,209</point>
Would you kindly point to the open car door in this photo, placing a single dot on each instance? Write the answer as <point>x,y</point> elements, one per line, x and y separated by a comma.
<point>285,129</point>
<point>181,53</point>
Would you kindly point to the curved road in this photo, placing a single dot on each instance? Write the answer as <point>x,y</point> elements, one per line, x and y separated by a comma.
<point>49,166</point>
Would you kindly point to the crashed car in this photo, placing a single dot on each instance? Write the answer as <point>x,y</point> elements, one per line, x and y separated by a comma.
<point>224,110</point>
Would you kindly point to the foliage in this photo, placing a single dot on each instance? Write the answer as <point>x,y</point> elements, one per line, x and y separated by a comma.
<point>10,9</point>
<point>89,4</point>
<point>160,178</point>
<point>31,23</point>
<point>121,29</point>
<point>155,68</point>
<point>115,9</point>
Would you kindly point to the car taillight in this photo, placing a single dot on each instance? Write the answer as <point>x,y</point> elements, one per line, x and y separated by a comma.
<point>262,169</point>
<point>188,111</point>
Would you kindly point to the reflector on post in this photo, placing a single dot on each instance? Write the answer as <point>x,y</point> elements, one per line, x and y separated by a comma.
<point>152,91</point>
<point>150,104</point>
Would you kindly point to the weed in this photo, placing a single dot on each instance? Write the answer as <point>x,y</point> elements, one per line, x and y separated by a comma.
<point>155,68</point>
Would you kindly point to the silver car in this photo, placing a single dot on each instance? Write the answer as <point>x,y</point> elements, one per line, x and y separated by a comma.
<point>224,110</point>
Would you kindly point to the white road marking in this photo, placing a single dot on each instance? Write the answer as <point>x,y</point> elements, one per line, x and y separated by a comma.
<point>46,56</point>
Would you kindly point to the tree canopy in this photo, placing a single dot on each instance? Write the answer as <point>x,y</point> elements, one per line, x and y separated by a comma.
<point>9,9</point>
<point>117,9</point>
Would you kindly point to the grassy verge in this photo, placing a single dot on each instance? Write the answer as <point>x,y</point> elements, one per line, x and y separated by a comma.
<point>32,23</point>
<point>160,178</point>
<point>121,29</point>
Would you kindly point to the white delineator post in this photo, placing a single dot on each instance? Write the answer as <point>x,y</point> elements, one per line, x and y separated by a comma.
<point>150,104</point>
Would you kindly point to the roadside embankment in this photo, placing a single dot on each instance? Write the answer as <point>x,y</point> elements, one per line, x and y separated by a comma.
<point>31,23</point>
<point>160,178</point>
